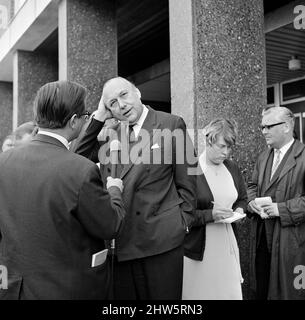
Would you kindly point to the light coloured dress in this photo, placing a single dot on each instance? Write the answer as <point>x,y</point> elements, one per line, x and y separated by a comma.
<point>218,276</point>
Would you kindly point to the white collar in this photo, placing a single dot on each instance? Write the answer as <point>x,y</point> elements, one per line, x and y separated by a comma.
<point>63,140</point>
<point>138,125</point>
<point>285,147</point>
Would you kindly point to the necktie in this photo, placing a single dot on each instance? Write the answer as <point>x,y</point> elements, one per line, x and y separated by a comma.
<point>131,134</point>
<point>276,162</point>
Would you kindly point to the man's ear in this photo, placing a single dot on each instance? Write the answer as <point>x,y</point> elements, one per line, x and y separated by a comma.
<point>138,93</point>
<point>287,128</point>
<point>73,121</point>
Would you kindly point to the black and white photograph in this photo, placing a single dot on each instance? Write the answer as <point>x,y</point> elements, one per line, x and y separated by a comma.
<point>152,151</point>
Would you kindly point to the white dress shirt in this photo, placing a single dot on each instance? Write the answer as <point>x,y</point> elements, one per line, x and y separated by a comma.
<point>138,125</point>
<point>283,151</point>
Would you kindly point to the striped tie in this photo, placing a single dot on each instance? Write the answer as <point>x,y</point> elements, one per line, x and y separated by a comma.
<point>276,162</point>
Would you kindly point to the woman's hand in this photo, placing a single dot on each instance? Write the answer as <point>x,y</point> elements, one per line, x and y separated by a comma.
<point>239,210</point>
<point>240,221</point>
<point>220,213</point>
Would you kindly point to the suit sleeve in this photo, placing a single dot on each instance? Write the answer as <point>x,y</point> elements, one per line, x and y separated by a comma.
<point>100,212</point>
<point>185,181</point>
<point>202,217</point>
<point>292,212</point>
<point>252,188</point>
<point>88,145</point>
<point>242,199</point>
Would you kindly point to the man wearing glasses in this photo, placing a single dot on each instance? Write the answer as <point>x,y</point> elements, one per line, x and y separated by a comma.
<point>278,228</point>
<point>50,229</point>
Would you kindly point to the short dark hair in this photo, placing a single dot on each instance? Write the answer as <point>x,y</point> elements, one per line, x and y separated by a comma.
<point>225,127</point>
<point>56,102</point>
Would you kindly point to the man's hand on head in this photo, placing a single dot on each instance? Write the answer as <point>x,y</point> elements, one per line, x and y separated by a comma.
<point>102,113</point>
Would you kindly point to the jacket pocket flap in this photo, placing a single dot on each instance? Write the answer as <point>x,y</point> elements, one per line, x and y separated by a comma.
<point>170,204</point>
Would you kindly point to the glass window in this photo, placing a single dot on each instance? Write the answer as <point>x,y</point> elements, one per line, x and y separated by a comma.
<point>293,90</point>
<point>270,95</point>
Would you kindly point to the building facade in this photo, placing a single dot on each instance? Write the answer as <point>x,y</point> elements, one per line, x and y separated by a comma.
<point>200,59</point>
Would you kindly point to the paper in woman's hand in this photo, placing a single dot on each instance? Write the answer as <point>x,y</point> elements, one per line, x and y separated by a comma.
<point>236,216</point>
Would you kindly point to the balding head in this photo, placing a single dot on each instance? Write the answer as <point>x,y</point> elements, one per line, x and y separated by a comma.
<point>123,99</point>
<point>117,80</point>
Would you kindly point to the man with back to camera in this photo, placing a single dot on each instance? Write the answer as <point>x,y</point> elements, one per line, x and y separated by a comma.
<point>49,224</point>
<point>278,233</point>
<point>159,198</point>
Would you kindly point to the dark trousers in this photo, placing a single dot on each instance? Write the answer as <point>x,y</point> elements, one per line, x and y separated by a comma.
<point>262,265</point>
<point>157,277</point>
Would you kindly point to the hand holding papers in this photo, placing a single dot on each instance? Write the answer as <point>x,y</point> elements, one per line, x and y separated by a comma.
<point>222,214</point>
<point>261,202</point>
<point>236,216</point>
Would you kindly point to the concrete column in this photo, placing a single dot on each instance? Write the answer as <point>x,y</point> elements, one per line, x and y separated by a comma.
<point>88,44</point>
<point>218,70</point>
<point>6,110</point>
<point>31,71</point>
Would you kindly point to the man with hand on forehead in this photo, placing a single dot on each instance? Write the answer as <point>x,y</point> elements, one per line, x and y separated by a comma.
<point>159,198</point>
<point>278,235</point>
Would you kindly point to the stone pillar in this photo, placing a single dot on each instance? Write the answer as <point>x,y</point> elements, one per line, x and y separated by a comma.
<point>88,44</point>
<point>31,71</point>
<point>6,110</point>
<point>218,70</point>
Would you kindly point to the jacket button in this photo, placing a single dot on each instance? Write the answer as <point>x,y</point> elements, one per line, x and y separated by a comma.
<point>108,169</point>
<point>138,213</point>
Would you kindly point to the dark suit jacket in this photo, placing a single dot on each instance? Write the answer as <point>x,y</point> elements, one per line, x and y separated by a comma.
<point>195,241</point>
<point>159,198</point>
<point>50,225</point>
<point>288,236</point>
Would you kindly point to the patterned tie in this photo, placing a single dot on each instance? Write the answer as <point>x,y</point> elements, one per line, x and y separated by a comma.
<point>131,134</point>
<point>276,162</point>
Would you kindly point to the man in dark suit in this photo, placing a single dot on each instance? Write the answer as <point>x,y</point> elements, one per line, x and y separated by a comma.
<point>49,223</point>
<point>159,196</point>
<point>278,231</point>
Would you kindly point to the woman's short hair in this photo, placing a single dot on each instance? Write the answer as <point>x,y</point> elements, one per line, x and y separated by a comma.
<point>56,102</point>
<point>221,127</point>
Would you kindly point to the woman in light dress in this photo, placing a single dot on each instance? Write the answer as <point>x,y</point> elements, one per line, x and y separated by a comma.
<point>211,263</point>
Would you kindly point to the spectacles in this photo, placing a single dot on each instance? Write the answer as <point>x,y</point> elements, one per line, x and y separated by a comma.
<point>269,126</point>
<point>87,114</point>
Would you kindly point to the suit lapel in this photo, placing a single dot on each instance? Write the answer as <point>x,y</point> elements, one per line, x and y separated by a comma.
<point>263,165</point>
<point>149,124</point>
<point>286,166</point>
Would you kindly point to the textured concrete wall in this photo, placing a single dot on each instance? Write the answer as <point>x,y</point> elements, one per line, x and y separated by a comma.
<point>6,110</point>
<point>88,44</point>
<point>225,57</point>
<point>31,71</point>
